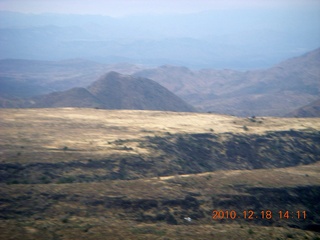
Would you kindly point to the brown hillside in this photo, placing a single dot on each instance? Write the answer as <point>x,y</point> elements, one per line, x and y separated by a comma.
<point>75,97</point>
<point>119,91</point>
<point>111,91</point>
<point>310,110</point>
<point>269,92</point>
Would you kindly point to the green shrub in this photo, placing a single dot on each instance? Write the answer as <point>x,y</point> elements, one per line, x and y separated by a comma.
<point>290,235</point>
<point>69,179</point>
<point>45,180</point>
<point>148,230</point>
<point>65,219</point>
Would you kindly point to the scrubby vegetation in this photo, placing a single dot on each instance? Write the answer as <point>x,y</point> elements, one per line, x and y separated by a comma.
<point>118,179</point>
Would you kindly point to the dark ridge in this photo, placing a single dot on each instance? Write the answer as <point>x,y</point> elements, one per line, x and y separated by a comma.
<point>118,91</point>
<point>111,91</point>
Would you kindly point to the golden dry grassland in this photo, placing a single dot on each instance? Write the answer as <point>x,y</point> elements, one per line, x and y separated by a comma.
<point>48,132</point>
<point>82,210</point>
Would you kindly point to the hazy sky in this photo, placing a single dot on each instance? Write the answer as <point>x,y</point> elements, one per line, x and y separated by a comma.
<point>134,7</point>
<point>232,30</point>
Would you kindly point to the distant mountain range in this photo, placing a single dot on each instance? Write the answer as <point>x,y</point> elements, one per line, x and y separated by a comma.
<point>277,91</point>
<point>26,78</point>
<point>111,91</point>
<point>216,39</point>
<point>270,92</point>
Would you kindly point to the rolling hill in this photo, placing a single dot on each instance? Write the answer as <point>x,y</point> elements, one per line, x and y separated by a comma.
<point>75,97</point>
<point>310,110</point>
<point>276,91</point>
<point>270,92</point>
<point>114,91</point>
<point>21,78</point>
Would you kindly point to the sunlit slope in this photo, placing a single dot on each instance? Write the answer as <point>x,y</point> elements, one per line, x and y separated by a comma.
<point>91,131</point>
<point>90,145</point>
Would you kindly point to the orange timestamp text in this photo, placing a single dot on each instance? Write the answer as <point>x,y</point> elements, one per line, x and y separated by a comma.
<point>263,214</point>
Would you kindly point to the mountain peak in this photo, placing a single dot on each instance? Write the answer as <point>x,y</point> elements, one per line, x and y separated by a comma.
<point>112,74</point>
<point>119,91</point>
<point>111,91</point>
